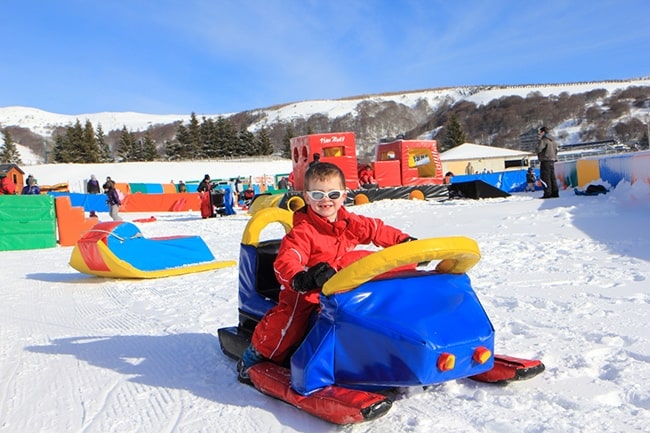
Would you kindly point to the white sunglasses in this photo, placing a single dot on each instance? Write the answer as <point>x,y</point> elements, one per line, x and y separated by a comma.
<point>320,195</point>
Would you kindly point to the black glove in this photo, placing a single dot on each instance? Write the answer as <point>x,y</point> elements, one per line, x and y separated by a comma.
<point>313,278</point>
<point>409,239</point>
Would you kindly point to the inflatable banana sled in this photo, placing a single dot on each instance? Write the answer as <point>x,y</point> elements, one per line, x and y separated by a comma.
<point>117,249</point>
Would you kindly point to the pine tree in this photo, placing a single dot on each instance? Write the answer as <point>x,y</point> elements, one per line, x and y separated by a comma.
<point>194,131</point>
<point>74,142</point>
<point>149,151</point>
<point>68,146</point>
<point>286,142</point>
<point>172,150</point>
<point>182,147</point>
<point>232,145</point>
<point>247,144</point>
<point>104,149</point>
<point>90,152</point>
<point>126,148</point>
<point>454,135</point>
<point>138,149</point>
<point>220,141</point>
<point>9,153</point>
<point>208,139</point>
<point>59,150</point>
<point>264,142</point>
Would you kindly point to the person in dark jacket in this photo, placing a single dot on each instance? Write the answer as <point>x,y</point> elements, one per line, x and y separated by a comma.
<point>447,179</point>
<point>93,185</point>
<point>547,155</point>
<point>113,201</point>
<point>316,159</point>
<point>205,185</point>
<point>31,188</point>
<point>321,242</point>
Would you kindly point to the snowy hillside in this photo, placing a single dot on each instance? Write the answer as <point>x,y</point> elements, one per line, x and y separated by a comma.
<point>44,123</point>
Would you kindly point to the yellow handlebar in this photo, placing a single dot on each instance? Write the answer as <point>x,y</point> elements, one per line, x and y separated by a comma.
<point>456,255</point>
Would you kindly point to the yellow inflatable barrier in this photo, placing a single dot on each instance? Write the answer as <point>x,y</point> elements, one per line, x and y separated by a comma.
<point>264,201</point>
<point>295,203</point>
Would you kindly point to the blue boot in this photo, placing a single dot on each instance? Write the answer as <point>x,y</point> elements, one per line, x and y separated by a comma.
<point>249,358</point>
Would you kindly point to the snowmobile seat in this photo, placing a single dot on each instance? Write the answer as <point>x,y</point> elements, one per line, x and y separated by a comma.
<point>219,202</point>
<point>266,284</point>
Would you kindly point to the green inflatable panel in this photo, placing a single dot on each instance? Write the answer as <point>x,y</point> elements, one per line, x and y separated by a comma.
<point>27,222</point>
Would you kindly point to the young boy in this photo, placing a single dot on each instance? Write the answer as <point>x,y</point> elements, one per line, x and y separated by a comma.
<point>530,179</point>
<point>321,242</point>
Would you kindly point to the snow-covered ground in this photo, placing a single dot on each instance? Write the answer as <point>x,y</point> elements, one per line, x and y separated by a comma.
<point>565,280</point>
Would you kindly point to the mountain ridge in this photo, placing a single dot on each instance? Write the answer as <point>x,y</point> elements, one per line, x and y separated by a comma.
<point>372,117</point>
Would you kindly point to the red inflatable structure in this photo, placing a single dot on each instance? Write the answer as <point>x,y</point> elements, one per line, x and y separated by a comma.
<point>402,168</point>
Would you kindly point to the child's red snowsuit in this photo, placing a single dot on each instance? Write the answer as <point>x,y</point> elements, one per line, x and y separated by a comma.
<point>366,176</point>
<point>312,240</point>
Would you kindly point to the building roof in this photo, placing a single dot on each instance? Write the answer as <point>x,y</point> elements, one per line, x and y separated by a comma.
<point>476,151</point>
<point>4,168</point>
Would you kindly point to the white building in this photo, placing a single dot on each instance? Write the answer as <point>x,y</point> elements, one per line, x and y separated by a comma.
<point>479,158</point>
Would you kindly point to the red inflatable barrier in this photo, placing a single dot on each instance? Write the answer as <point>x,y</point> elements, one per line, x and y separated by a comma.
<point>161,202</point>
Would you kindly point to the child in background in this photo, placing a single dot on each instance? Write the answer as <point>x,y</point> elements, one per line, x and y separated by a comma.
<point>321,242</point>
<point>530,180</point>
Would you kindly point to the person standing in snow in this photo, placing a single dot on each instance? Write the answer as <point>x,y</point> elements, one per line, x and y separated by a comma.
<point>530,180</point>
<point>205,185</point>
<point>205,192</point>
<point>113,200</point>
<point>316,159</point>
<point>547,155</point>
<point>321,242</point>
<point>31,188</point>
<point>7,187</point>
<point>93,185</point>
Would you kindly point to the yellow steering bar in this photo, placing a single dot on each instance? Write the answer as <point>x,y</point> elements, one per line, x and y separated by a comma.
<point>457,254</point>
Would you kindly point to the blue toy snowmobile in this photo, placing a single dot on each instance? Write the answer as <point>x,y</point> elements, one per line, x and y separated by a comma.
<point>377,330</point>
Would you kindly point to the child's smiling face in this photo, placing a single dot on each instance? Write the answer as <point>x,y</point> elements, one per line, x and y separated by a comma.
<point>327,207</point>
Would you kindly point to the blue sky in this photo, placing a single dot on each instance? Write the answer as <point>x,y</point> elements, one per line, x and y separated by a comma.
<point>223,56</point>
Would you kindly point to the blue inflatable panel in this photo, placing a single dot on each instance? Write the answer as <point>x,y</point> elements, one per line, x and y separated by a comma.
<point>391,333</point>
<point>96,202</point>
<point>155,188</point>
<point>508,181</point>
<point>151,254</point>
<point>616,168</point>
<point>228,201</point>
